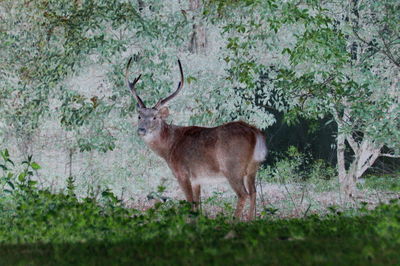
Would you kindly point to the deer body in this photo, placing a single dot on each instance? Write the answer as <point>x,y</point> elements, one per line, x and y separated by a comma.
<point>199,155</point>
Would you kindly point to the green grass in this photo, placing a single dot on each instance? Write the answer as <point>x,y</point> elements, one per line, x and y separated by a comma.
<point>40,228</point>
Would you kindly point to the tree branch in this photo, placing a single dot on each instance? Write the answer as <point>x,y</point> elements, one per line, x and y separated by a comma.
<point>389,155</point>
<point>353,144</point>
<point>368,163</point>
<point>385,51</point>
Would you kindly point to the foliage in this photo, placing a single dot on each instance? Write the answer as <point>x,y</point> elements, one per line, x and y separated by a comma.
<point>328,60</point>
<point>62,65</point>
<point>295,166</point>
<point>62,83</point>
<point>46,44</point>
<point>11,180</point>
<point>382,182</point>
<point>68,230</point>
<point>38,226</point>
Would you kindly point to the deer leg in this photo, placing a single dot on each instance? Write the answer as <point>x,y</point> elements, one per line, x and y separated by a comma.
<point>196,195</point>
<point>240,190</point>
<point>186,186</point>
<point>251,187</point>
<point>240,205</point>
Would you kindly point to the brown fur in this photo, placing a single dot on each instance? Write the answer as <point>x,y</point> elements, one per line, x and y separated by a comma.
<point>192,152</point>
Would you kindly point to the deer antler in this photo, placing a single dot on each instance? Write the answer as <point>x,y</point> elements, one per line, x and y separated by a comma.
<point>161,102</point>
<point>131,85</point>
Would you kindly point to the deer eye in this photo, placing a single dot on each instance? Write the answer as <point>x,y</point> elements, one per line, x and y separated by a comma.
<point>140,117</point>
<point>154,118</point>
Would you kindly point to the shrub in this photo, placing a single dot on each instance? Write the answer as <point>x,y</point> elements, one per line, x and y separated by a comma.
<point>298,167</point>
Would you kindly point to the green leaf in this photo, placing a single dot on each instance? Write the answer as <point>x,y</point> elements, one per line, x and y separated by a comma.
<point>35,166</point>
<point>11,184</point>
<point>32,183</point>
<point>21,177</point>
<point>11,162</point>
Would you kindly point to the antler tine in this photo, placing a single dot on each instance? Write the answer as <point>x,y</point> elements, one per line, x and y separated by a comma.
<point>131,85</point>
<point>161,102</point>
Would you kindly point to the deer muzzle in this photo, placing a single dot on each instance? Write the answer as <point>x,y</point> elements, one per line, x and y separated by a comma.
<point>141,131</point>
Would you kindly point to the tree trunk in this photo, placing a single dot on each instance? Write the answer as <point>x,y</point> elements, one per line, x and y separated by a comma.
<point>365,154</point>
<point>198,39</point>
<point>348,186</point>
<point>346,178</point>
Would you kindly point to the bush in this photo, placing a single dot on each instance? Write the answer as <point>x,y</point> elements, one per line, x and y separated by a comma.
<point>298,167</point>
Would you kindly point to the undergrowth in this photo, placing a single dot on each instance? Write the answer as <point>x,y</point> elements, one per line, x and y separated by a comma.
<point>42,228</point>
<point>382,182</point>
<point>297,167</point>
<point>50,228</point>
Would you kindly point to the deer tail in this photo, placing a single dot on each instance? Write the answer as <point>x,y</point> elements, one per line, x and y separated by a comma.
<point>260,149</point>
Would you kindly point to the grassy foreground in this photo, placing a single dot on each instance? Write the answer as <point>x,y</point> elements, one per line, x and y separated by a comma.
<point>40,228</point>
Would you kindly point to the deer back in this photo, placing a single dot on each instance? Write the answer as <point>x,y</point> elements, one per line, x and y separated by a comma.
<point>219,150</point>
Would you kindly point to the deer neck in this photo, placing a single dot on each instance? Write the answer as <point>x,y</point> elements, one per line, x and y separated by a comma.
<point>162,142</point>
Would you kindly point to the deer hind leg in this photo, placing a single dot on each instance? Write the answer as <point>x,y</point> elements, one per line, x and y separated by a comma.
<point>238,186</point>
<point>251,188</point>
<point>250,182</point>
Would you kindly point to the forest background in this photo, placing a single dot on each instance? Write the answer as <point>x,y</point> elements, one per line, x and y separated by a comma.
<point>320,78</point>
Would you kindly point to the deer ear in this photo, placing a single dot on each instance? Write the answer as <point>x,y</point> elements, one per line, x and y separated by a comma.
<point>163,112</point>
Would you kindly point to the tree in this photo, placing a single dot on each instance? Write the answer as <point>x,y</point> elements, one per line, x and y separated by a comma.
<point>45,46</point>
<point>62,84</point>
<point>344,67</point>
<point>361,92</point>
<point>62,91</point>
<point>301,57</point>
<point>198,38</point>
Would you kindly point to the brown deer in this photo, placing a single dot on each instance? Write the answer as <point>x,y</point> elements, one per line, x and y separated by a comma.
<point>198,155</point>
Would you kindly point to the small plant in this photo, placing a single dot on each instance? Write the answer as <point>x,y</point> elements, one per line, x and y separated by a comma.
<point>71,186</point>
<point>320,170</point>
<point>215,198</point>
<point>160,193</point>
<point>10,180</point>
<point>287,169</point>
<point>268,212</point>
<point>323,176</point>
<point>109,199</point>
<point>7,177</point>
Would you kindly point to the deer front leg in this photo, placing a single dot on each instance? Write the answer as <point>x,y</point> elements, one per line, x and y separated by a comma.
<point>186,186</point>
<point>196,195</point>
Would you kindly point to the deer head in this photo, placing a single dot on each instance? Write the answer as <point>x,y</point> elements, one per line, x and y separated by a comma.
<point>150,120</point>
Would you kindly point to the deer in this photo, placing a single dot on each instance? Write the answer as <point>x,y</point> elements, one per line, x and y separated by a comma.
<point>200,155</point>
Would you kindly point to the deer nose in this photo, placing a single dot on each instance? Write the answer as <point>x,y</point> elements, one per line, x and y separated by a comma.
<point>141,131</point>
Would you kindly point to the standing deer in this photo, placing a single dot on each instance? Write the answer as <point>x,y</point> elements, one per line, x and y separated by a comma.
<point>198,155</point>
